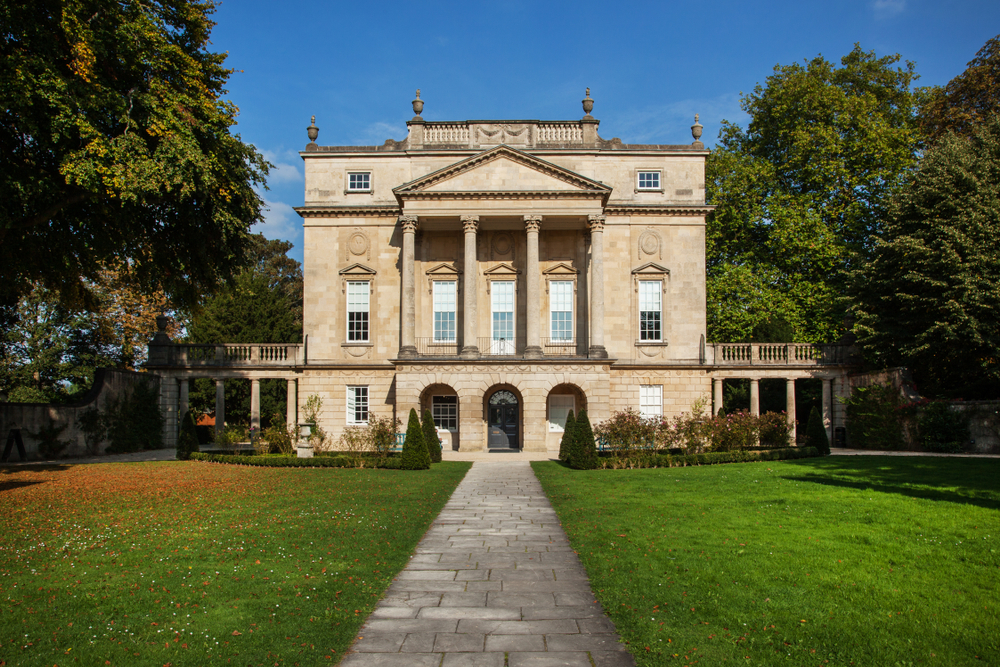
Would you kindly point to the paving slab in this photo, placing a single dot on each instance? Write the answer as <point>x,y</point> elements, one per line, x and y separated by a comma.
<point>494,582</point>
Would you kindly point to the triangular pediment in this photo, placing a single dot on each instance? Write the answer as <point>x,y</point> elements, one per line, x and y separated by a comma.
<point>444,271</point>
<point>650,269</point>
<point>359,270</point>
<point>503,269</point>
<point>503,169</point>
<point>560,269</point>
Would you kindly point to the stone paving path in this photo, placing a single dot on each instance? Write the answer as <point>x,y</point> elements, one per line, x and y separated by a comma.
<point>493,583</point>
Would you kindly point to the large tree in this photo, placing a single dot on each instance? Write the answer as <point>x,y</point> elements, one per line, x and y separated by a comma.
<point>262,305</point>
<point>930,297</point>
<point>801,190</point>
<point>116,142</point>
<point>968,100</point>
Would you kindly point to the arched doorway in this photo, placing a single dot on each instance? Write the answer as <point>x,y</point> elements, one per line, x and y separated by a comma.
<point>503,428</point>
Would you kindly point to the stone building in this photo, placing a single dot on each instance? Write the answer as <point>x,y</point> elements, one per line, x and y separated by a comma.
<point>500,274</point>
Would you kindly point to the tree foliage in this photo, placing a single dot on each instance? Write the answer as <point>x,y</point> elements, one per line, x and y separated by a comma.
<point>800,192</point>
<point>415,456</point>
<point>566,442</point>
<point>117,144</point>
<point>816,433</point>
<point>583,452</point>
<point>968,100</point>
<point>930,296</point>
<point>263,304</point>
<point>431,439</point>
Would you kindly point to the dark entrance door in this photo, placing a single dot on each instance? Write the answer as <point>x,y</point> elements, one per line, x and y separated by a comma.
<point>503,421</point>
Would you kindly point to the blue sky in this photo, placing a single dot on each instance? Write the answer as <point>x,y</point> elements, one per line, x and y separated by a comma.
<point>650,65</point>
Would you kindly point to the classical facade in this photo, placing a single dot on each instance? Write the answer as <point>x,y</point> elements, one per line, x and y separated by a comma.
<point>500,274</point>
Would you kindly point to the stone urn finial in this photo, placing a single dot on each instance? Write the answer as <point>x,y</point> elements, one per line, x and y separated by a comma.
<point>696,133</point>
<point>588,104</point>
<point>312,130</point>
<point>418,104</point>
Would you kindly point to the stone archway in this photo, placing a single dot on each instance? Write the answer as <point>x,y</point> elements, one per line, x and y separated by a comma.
<point>445,406</point>
<point>560,400</point>
<point>504,418</point>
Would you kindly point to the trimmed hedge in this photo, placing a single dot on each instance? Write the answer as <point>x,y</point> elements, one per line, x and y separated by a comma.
<point>335,461</point>
<point>711,458</point>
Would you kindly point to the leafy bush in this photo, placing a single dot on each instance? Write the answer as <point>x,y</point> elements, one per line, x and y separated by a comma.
<point>95,429</point>
<point>317,437</point>
<point>873,417</point>
<point>187,438</point>
<point>943,429</point>
<point>415,456</point>
<point>49,444</point>
<point>627,431</point>
<point>374,440</point>
<point>324,461</point>
<point>431,439</point>
<point>736,431</point>
<point>565,443</point>
<point>230,437</point>
<point>134,422</point>
<point>775,431</point>
<point>279,437</point>
<point>816,433</point>
<point>583,454</point>
<point>709,458</point>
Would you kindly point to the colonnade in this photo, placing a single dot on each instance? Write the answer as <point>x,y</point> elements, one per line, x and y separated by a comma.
<point>183,401</point>
<point>827,401</point>
<point>470,287</point>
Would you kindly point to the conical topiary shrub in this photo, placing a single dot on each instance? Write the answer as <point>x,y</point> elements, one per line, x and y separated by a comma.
<point>567,437</point>
<point>583,455</point>
<point>415,455</point>
<point>816,433</point>
<point>187,438</point>
<point>431,439</point>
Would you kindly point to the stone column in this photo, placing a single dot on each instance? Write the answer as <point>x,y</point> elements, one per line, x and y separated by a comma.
<point>716,395</point>
<point>828,408</point>
<point>292,406</point>
<point>790,407</point>
<point>534,300</point>
<point>184,401</point>
<point>470,288</point>
<point>255,405</point>
<point>596,226</point>
<point>407,308</point>
<point>754,396</point>
<point>220,406</point>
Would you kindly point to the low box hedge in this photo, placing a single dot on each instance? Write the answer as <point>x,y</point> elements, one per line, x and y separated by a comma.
<point>278,461</point>
<point>710,458</point>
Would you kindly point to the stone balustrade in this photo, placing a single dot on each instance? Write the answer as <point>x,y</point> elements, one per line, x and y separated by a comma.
<point>782,354</point>
<point>227,355</point>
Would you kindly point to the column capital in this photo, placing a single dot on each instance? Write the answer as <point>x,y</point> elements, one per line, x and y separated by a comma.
<point>470,223</point>
<point>532,223</point>
<point>408,223</point>
<point>595,223</point>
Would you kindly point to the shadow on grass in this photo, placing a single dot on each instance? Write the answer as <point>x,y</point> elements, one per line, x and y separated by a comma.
<point>965,481</point>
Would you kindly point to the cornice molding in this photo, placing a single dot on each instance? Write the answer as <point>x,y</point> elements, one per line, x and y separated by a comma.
<point>390,210</point>
<point>658,209</point>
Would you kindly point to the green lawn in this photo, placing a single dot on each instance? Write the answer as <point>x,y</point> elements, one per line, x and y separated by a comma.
<point>861,560</point>
<point>190,563</point>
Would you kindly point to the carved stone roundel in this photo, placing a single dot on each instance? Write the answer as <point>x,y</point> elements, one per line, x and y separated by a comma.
<point>649,244</point>
<point>502,243</point>
<point>358,243</point>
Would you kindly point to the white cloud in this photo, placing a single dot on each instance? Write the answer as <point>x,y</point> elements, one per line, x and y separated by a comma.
<point>280,222</point>
<point>286,168</point>
<point>888,7</point>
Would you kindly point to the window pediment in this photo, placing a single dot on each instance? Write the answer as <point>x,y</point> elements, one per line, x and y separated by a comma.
<point>358,270</point>
<point>502,270</point>
<point>443,271</point>
<point>650,269</point>
<point>562,269</point>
